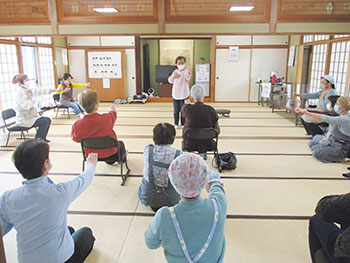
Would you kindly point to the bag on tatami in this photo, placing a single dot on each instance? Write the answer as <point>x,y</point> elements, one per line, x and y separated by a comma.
<point>225,161</point>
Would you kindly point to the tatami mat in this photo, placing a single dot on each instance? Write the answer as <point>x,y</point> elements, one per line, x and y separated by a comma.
<point>270,195</point>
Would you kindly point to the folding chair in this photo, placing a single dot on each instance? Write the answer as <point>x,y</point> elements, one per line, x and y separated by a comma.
<point>58,106</point>
<point>11,126</point>
<point>105,143</point>
<point>202,134</point>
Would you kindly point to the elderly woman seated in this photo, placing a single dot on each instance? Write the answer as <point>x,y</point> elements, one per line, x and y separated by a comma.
<point>197,116</point>
<point>334,146</point>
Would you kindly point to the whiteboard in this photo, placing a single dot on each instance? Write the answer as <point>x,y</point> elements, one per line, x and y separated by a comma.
<point>105,65</point>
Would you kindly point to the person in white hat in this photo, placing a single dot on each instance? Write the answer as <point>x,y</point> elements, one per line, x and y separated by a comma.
<point>192,230</point>
<point>311,124</point>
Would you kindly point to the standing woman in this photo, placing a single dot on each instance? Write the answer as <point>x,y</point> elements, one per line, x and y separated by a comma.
<point>180,78</point>
<point>26,114</point>
<point>311,124</point>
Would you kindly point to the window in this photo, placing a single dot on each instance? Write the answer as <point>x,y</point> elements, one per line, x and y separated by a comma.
<point>321,37</point>
<point>47,77</point>
<point>340,36</point>
<point>44,40</point>
<point>339,65</point>
<point>28,39</point>
<point>8,38</point>
<point>308,38</point>
<point>8,69</point>
<point>319,53</point>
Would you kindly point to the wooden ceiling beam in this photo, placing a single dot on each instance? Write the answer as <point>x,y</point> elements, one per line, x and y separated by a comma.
<point>53,16</point>
<point>273,16</point>
<point>161,16</point>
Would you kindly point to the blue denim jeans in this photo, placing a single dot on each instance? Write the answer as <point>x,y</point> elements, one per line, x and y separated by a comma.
<point>75,106</point>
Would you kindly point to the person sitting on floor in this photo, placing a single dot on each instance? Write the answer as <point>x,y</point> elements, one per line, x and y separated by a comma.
<point>38,209</point>
<point>94,124</point>
<point>156,189</point>
<point>192,230</point>
<point>26,114</point>
<point>312,125</point>
<point>66,91</point>
<point>334,146</point>
<point>328,242</point>
<point>199,116</point>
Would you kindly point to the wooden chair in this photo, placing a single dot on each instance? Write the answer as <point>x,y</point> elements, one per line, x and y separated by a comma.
<point>105,142</point>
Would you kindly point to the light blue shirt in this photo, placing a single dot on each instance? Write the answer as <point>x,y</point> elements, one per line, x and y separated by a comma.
<point>195,219</point>
<point>38,212</point>
<point>317,95</point>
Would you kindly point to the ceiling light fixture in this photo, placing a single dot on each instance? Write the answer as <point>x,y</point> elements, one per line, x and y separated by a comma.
<point>106,10</point>
<point>241,8</point>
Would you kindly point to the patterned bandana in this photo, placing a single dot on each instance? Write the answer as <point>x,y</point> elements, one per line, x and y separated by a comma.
<point>345,102</point>
<point>189,174</point>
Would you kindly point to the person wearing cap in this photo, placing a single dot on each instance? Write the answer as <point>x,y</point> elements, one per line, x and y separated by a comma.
<point>312,125</point>
<point>26,99</point>
<point>334,146</point>
<point>156,190</point>
<point>37,210</point>
<point>66,91</point>
<point>192,230</point>
<point>199,116</point>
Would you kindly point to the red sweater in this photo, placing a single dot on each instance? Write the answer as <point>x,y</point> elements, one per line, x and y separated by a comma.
<point>95,125</point>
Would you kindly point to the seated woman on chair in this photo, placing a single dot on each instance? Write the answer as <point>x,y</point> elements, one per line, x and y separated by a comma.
<point>26,114</point>
<point>312,125</point>
<point>94,124</point>
<point>66,91</point>
<point>156,189</point>
<point>334,146</point>
<point>328,242</point>
<point>198,116</point>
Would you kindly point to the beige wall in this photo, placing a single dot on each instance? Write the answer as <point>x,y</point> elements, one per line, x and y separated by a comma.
<point>292,70</point>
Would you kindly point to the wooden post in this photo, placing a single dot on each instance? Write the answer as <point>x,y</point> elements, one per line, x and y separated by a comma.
<point>161,16</point>
<point>53,16</point>
<point>273,15</point>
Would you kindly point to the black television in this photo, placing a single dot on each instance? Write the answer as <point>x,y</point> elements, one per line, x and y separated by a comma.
<point>163,72</point>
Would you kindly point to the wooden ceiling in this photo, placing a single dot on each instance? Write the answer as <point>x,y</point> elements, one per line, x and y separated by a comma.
<point>175,11</point>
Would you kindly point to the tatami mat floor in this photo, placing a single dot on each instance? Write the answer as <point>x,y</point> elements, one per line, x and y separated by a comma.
<point>270,195</point>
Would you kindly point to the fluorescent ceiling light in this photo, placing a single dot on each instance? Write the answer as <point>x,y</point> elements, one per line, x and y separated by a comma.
<point>241,8</point>
<point>106,10</point>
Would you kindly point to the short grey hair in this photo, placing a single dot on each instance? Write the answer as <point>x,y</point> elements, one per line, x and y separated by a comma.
<point>197,93</point>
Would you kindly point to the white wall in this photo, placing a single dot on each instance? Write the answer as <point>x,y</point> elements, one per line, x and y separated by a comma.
<point>77,67</point>
<point>264,61</point>
<point>232,77</point>
<point>59,61</point>
<point>77,62</point>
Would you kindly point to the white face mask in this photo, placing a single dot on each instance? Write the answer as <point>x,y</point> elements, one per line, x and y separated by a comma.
<point>49,165</point>
<point>323,86</point>
<point>329,108</point>
<point>181,67</point>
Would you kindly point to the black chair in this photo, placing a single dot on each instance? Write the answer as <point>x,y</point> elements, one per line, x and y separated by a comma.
<point>58,106</point>
<point>105,143</point>
<point>11,126</point>
<point>202,134</point>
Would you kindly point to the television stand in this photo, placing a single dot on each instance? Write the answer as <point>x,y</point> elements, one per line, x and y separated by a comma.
<point>165,89</point>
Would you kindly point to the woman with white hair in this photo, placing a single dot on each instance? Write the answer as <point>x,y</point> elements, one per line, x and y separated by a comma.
<point>198,116</point>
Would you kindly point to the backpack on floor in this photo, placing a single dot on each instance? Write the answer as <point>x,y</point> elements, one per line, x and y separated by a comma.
<point>225,161</point>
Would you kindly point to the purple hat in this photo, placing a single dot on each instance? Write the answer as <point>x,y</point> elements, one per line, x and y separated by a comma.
<point>189,174</point>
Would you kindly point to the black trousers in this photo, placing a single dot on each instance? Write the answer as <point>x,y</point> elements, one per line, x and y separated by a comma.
<point>83,244</point>
<point>118,156</point>
<point>322,235</point>
<point>312,128</point>
<point>178,104</point>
